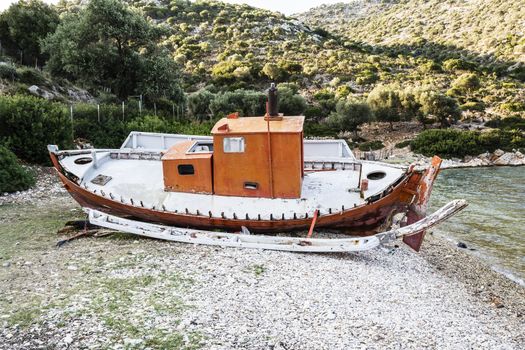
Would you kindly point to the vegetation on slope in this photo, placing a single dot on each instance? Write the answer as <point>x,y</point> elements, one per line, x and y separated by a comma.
<point>487,31</point>
<point>192,62</point>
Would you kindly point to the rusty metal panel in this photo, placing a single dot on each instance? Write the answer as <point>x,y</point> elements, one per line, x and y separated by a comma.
<point>232,169</point>
<point>287,165</point>
<point>178,179</point>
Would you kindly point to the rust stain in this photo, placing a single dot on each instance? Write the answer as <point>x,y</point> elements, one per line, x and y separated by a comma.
<point>418,209</point>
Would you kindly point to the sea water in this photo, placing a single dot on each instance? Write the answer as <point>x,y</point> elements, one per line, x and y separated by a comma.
<point>493,224</point>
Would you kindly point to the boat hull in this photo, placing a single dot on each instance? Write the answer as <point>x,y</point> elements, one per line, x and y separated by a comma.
<point>360,220</point>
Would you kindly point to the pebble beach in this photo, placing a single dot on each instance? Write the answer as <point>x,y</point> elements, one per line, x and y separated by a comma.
<point>124,292</point>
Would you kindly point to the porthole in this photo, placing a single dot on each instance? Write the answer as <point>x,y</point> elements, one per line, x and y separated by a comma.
<point>376,175</point>
<point>83,160</point>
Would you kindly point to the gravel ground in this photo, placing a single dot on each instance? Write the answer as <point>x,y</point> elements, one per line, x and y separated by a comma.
<point>127,293</point>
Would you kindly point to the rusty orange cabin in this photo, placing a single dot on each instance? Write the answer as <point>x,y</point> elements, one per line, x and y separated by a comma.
<point>248,157</point>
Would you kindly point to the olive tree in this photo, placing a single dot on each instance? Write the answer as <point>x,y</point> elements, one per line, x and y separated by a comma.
<point>349,115</point>
<point>440,106</point>
<point>23,25</point>
<point>107,43</point>
<point>386,104</point>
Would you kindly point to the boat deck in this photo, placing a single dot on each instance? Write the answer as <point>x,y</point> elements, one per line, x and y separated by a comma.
<point>142,181</point>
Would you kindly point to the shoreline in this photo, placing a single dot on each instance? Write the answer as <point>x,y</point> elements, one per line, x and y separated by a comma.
<point>479,276</point>
<point>498,158</point>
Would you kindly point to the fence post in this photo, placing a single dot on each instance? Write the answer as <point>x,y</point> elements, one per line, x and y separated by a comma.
<point>173,111</point>
<point>98,112</point>
<point>155,108</point>
<point>140,105</point>
<point>72,125</point>
<point>123,113</point>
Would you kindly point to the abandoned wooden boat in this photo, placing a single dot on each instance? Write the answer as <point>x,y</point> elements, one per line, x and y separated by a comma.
<point>253,173</point>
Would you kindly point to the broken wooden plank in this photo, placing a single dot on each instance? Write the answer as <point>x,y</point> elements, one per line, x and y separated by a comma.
<point>294,244</point>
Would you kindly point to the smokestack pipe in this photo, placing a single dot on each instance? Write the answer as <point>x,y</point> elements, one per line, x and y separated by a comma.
<point>271,109</point>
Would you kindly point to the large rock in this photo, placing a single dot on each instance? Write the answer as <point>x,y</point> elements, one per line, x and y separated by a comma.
<point>37,91</point>
<point>76,94</point>
<point>497,153</point>
<point>475,162</point>
<point>509,158</point>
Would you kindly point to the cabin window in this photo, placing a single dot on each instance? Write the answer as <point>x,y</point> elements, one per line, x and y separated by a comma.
<point>233,144</point>
<point>201,147</point>
<point>251,185</point>
<point>186,169</point>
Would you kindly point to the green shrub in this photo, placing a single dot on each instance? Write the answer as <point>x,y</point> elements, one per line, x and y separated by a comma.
<point>371,146</point>
<point>313,112</point>
<point>366,77</point>
<point>107,134</point>
<point>455,143</point>
<point>512,106</point>
<point>508,123</point>
<point>30,76</point>
<point>467,82</point>
<point>458,64</point>
<point>386,104</point>
<point>430,66</point>
<point>13,177</point>
<point>403,144</point>
<point>7,71</point>
<point>28,124</point>
<point>473,106</point>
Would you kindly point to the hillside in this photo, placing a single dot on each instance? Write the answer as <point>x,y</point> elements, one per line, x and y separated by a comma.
<point>482,30</point>
<point>224,47</point>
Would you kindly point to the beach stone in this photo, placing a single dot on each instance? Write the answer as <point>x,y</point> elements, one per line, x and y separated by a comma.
<point>132,342</point>
<point>462,245</point>
<point>68,339</point>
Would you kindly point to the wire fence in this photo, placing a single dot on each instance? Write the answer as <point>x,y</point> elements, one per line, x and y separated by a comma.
<point>124,111</point>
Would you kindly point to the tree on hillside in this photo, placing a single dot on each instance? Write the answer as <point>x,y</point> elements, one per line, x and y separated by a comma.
<point>246,102</point>
<point>272,71</point>
<point>160,77</point>
<point>440,106</point>
<point>22,26</point>
<point>109,44</point>
<point>199,104</point>
<point>290,102</point>
<point>349,115</point>
<point>466,83</point>
<point>386,104</point>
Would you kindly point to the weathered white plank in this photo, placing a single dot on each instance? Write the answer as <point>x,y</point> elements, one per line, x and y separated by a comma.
<point>294,244</point>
